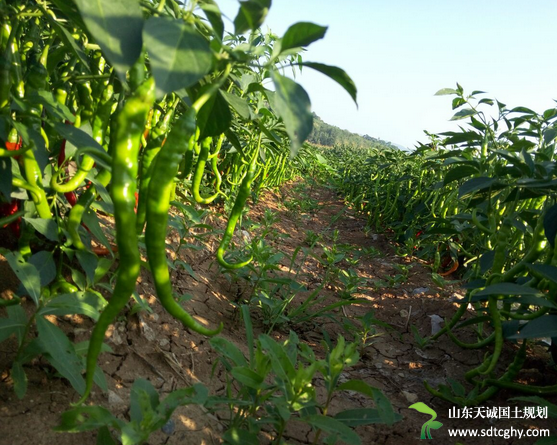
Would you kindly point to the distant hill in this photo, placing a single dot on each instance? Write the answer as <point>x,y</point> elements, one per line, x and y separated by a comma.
<point>329,136</point>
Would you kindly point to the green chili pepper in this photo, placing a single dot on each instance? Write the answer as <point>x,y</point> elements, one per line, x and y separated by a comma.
<point>239,204</point>
<point>200,171</point>
<point>129,127</point>
<point>147,165</point>
<point>158,204</point>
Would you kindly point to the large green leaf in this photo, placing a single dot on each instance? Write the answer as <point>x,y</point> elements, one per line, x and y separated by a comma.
<point>383,404</point>
<point>294,107</point>
<point>213,13</point>
<point>302,34</point>
<point>251,15</point>
<point>475,184</point>
<point>239,104</point>
<point>20,380</point>
<point>85,303</point>
<point>9,326</point>
<point>214,117</point>
<point>338,75</point>
<point>44,262</point>
<point>178,54</point>
<point>545,326</point>
<point>61,353</point>
<point>27,274</point>
<point>86,418</point>
<point>506,289</point>
<point>46,227</point>
<point>116,26</point>
<point>283,367</point>
<point>459,172</point>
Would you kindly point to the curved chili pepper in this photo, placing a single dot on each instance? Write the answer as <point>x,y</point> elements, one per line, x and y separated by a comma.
<point>130,124</point>
<point>200,171</point>
<point>239,204</point>
<point>158,204</point>
<point>83,203</point>
<point>158,139</point>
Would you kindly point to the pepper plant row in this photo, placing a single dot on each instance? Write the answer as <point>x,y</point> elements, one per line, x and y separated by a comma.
<point>105,108</point>
<point>480,202</point>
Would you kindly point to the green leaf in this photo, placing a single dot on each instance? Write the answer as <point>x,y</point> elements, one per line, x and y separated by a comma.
<point>27,274</point>
<point>549,134</point>
<point>249,330</point>
<point>91,220</point>
<point>302,34</point>
<point>213,14</point>
<point>8,327</point>
<point>214,117</point>
<point>140,406</point>
<point>53,107</point>
<point>88,262</point>
<point>459,172</point>
<point>435,425</point>
<point>505,289</point>
<point>545,326</point>
<point>338,75</point>
<point>283,367</point>
<point>178,54</point>
<point>44,262</point>
<point>544,270</point>
<point>69,42</point>
<point>463,114</point>
<point>77,137</point>
<point>294,107</point>
<point>251,15</point>
<point>82,347</point>
<point>475,184</point>
<point>332,426</point>
<point>102,269</point>
<point>104,437</point>
<point>85,303</point>
<point>247,377</point>
<point>116,26</point>
<point>446,92</point>
<point>239,104</point>
<point>86,418</point>
<point>229,350</point>
<point>61,354</point>
<point>46,227</point>
<point>383,404</point>
<point>17,314</point>
<point>20,380</point>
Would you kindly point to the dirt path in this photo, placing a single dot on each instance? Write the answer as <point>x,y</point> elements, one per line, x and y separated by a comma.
<point>154,346</point>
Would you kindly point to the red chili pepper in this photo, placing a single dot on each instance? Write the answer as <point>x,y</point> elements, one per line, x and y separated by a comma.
<point>7,209</point>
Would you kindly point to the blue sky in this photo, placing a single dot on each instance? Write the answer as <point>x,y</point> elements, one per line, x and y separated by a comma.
<point>400,52</point>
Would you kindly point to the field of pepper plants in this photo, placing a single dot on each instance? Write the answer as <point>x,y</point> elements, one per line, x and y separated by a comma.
<point>178,266</point>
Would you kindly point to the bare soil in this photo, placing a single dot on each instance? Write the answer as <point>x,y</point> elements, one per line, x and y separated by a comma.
<point>156,347</point>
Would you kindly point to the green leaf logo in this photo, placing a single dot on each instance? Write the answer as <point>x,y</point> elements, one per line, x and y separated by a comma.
<point>431,424</point>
